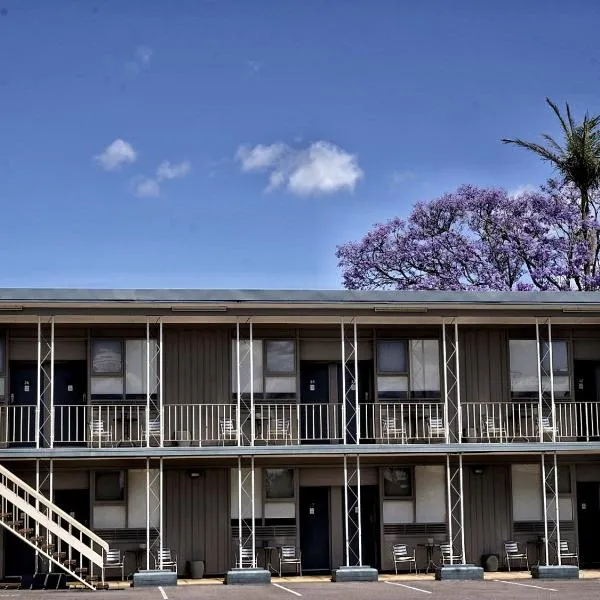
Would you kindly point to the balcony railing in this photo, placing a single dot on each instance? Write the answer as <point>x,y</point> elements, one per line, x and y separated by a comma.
<point>118,425</point>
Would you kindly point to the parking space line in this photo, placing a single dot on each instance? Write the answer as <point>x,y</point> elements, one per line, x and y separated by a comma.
<point>282,587</point>
<point>529,585</point>
<point>162,593</point>
<point>410,587</point>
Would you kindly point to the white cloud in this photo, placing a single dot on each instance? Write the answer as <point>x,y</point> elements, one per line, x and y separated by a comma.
<point>146,187</point>
<point>116,155</point>
<point>149,187</point>
<point>403,176</point>
<point>168,171</point>
<point>261,157</point>
<point>322,168</point>
<point>522,189</point>
<point>254,65</point>
<point>143,55</point>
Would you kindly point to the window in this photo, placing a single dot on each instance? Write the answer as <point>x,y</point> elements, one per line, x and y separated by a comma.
<point>397,482</point>
<point>281,356</point>
<point>564,480</point>
<point>524,368</point>
<point>136,357</point>
<point>273,366</point>
<point>109,486</point>
<point>408,368</point>
<point>107,357</point>
<point>279,484</point>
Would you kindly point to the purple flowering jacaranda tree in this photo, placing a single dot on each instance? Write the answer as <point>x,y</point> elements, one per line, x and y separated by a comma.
<point>478,239</point>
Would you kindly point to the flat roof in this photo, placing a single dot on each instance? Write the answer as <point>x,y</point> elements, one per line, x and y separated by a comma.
<point>272,296</point>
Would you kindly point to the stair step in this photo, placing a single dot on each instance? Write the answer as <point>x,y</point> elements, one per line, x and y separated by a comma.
<point>59,555</point>
<point>101,586</point>
<point>5,515</point>
<point>26,531</point>
<point>47,547</point>
<point>15,523</point>
<point>80,571</point>
<point>69,562</point>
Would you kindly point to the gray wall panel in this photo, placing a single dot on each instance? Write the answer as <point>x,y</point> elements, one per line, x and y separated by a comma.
<point>197,365</point>
<point>488,521</point>
<point>197,518</point>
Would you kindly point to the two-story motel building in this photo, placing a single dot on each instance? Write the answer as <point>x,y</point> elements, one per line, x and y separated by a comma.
<point>166,418</point>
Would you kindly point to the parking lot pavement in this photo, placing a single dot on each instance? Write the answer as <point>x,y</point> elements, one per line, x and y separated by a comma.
<point>384,590</point>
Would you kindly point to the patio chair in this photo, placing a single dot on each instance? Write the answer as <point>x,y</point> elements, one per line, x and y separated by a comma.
<point>114,560</point>
<point>435,428</point>
<point>290,555</point>
<point>545,429</point>
<point>401,555</point>
<point>393,429</point>
<point>567,554</point>
<point>491,429</point>
<point>279,430</point>
<point>449,558</point>
<point>99,435</point>
<point>153,430</point>
<point>169,559</point>
<point>227,430</point>
<point>248,558</point>
<point>512,552</point>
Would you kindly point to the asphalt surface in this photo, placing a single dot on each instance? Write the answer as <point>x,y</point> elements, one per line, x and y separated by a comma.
<point>423,590</point>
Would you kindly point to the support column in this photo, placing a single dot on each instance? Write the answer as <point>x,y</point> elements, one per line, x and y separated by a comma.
<point>154,423</point>
<point>458,568</point>
<point>246,569</point>
<point>552,567</point>
<point>44,410</point>
<point>354,570</point>
<point>546,421</point>
<point>44,480</point>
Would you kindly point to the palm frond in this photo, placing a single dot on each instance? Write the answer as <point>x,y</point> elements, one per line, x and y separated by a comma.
<point>537,148</point>
<point>560,117</point>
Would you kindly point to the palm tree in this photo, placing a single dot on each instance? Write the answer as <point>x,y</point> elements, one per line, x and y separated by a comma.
<point>577,161</point>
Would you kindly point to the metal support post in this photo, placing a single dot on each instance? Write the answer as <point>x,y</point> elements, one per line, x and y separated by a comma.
<point>456,511</point>
<point>154,377</point>
<point>551,506</point>
<point>244,356</point>
<point>154,513</point>
<point>246,554</point>
<point>44,411</point>
<point>452,408</point>
<point>44,480</point>
<point>351,428</point>
<point>546,421</point>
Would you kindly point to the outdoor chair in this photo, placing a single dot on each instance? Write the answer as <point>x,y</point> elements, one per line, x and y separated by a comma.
<point>248,558</point>
<point>567,554</point>
<point>289,555</point>
<point>113,560</point>
<point>99,435</point>
<point>448,557</point>
<point>279,430</point>
<point>435,428</point>
<point>491,429</point>
<point>512,553</point>
<point>227,430</point>
<point>169,559</point>
<point>401,555</point>
<point>392,429</point>
<point>153,430</point>
<point>545,429</point>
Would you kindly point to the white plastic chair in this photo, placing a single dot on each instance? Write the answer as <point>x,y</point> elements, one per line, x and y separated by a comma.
<point>391,429</point>
<point>435,427</point>
<point>227,430</point>
<point>99,435</point>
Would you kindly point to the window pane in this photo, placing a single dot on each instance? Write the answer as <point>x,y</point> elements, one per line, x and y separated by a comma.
<point>397,482</point>
<point>391,357</point>
<point>280,385</point>
<point>425,368</point>
<point>560,361</point>
<point>110,486</point>
<point>279,483</point>
<point>564,480</point>
<point>112,386</point>
<point>135,366</point>
<point>281,356</point>
<point>392,384</point>
<point>257,352</point>
<point>523,366</point>
<point>107,357</point>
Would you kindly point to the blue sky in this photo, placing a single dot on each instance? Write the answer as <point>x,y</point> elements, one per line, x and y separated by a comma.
<point>235,144</point>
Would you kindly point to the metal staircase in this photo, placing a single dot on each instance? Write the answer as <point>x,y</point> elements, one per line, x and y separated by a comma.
<point>57,538</point>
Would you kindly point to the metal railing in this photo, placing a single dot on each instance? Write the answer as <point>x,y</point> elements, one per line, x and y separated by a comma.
<point>116,425</point>
<point>500,421</point>
<point>402,422</point>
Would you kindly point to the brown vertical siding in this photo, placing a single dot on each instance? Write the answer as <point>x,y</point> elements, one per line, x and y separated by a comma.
<point>484,365</point>
<point>197,365</point>
<point>488,520</point>
<point>197,518</point>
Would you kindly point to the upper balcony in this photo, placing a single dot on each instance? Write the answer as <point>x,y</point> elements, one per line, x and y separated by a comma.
<point>283,424</point>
